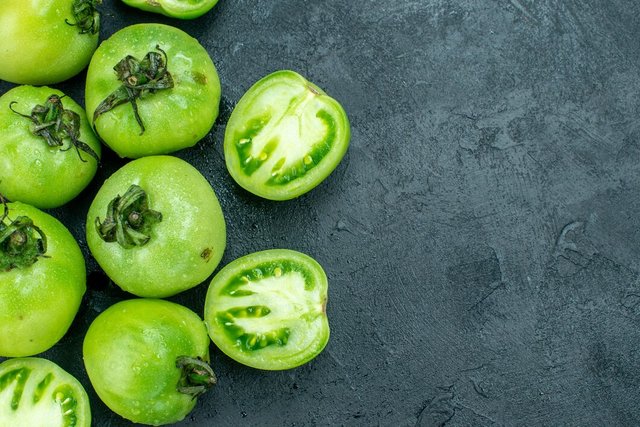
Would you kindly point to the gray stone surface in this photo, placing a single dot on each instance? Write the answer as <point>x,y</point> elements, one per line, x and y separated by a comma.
<point>481,235</point>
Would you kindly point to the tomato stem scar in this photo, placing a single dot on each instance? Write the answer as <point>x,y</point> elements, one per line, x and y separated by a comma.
<point>197,376</point>
<point>21,241</point>
<point>55,125</point>
<point>129,219</point>
<point>139,79</point>
<point>86,16</point>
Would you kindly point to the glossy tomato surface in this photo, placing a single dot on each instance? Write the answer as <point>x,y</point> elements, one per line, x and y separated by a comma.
<point>32,170</point>
<point>131,352</point>
<point>37,392</point>
<point>38,44</point>
<point>183,247</point>
<point>285,137</point>
<point>38,302</point>
<point>267,309</point>
<point>181,9</point>
<point>168,119</point>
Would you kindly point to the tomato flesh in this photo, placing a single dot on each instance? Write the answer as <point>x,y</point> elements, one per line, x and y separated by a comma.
<point>181,9</point>
<point>37,392</point>
<point>267,309</point>
<point>284,137</point>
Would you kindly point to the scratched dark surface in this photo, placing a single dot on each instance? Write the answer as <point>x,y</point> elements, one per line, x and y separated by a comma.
<point>481,235</point>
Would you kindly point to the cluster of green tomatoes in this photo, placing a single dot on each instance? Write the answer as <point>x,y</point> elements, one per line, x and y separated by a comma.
<point>155,226</point>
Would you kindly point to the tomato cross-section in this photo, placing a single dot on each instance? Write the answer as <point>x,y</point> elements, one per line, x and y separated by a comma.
<point>285,137</point>
<point>267,310</point>
<point>181,9</point>
<point>37,392</point>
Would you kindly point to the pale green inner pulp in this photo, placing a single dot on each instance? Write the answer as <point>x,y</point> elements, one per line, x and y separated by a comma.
<point>272,311</point>
<point>285,297</point>
<point>35,399</point>
<point>290,132</point>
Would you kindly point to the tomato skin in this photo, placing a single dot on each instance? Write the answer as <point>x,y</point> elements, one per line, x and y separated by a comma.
<point>278,296</point>
<point>181,9</point>
<point>37,46</point>
<point>174,118</point>
<point>31,171</point>
<point>38,303</point>
<point>284,137</point>
<point>51,396</point>
<point>130,353</point>
<point>185,247</point>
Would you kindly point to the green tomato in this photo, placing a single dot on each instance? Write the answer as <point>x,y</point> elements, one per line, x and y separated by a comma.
<point>284,137</point>
<point>267,309</point>
<point>147,360</point>
<point>181,9</point>
<point>37,392</point>
<point>156,227</point>
<point>48,152</point>
<point>42,280</point>
<point>46,41</point>
<point>163,94</point>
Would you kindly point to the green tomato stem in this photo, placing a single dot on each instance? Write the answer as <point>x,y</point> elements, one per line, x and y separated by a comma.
<point>139,79</point>
<point>53,123</point>
<point>197,376</point>
<point>21,242</point>
<point>129,219</point>
<point>87,17</point>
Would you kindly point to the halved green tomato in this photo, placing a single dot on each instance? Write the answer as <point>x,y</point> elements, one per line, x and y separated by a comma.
<point>285,137</point>
<point>181,9</point>
<point>37,392</point>
<point>267,310</point>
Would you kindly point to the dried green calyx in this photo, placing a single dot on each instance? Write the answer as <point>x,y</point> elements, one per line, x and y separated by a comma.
<point>139,79</point>
<point>57,126</point>
<point>86,16</point>
<point>21,242</point>
<point>129,219</point>
<point>197,376</point>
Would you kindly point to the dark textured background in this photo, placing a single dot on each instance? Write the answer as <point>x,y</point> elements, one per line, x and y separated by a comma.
<point>481,235</point>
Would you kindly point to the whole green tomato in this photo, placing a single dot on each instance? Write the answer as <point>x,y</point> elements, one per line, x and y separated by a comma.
<point>46,41</point>
<point>48,152</point>
<point>156,227</point>
<point>42,280</point>
<point>48,395</point>
<point>151,89</point>
<point>148,360</point>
